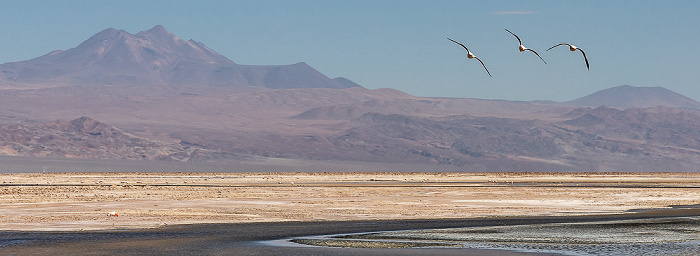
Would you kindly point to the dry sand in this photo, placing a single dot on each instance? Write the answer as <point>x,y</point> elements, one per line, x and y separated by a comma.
<point>83,201</point>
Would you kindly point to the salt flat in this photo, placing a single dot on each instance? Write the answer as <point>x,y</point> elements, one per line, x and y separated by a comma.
<point>82,201</point>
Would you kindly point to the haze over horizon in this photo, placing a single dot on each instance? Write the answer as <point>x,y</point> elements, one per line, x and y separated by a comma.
<point>402,45</point>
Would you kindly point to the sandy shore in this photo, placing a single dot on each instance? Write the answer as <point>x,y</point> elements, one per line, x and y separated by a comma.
<point>83,201</point>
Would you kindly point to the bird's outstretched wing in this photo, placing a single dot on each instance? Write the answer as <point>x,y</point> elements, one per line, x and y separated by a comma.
<point>558,45</point>
<point>533,51</point>
<point>520,42</point>
<point>458,44</point>
<point>584,57</point>
<point>482,63</point>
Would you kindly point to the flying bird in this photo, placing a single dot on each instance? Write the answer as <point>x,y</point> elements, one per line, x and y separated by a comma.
<point>522,47</point>
<point>471,55</point>
<point>574,48</point>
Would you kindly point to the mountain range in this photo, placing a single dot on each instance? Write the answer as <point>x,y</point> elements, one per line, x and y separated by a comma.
<point>156,57</point>
<point>153,96</point>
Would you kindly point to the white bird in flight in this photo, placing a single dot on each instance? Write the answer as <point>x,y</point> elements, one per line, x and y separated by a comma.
<point>471,55</point>
<point>573,48</point>
<point>522,47</point>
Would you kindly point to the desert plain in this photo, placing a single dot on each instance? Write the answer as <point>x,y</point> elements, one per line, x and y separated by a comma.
<point>85,201</point>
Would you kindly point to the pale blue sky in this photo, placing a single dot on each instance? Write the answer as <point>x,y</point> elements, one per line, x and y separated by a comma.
<point>402,44</point>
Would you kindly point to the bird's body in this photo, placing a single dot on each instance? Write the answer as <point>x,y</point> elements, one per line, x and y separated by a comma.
<point>522,48</point>
<point>573,49</point>
<point>470,55</point>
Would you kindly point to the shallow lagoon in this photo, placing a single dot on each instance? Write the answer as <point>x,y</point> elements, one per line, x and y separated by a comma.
<point>659,236</point>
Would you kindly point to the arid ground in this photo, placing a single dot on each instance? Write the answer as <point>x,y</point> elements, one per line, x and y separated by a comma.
<point>84,201</point>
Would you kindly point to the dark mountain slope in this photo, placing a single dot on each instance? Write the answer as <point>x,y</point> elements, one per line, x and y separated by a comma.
<point>87,138</point>
<point>660,126</point>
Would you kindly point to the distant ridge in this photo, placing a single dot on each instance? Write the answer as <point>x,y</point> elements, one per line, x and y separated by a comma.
<point>85,137</point>
<point>156,57</point>
<point>627,96</point>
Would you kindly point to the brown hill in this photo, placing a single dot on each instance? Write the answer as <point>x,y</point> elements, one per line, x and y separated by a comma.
<point>647,140</point>
<point>661,126</point>
<point>87,138</point>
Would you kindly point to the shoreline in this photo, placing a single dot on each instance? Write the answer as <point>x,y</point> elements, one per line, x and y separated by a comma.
<point>246,238</point>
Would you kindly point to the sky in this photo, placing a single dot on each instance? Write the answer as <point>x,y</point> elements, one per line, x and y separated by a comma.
<point>401,44</point>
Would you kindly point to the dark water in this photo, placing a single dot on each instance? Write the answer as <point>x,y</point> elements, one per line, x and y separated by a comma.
<point>656,236</point>
<point>677,248</point>
<point>247,238</point>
